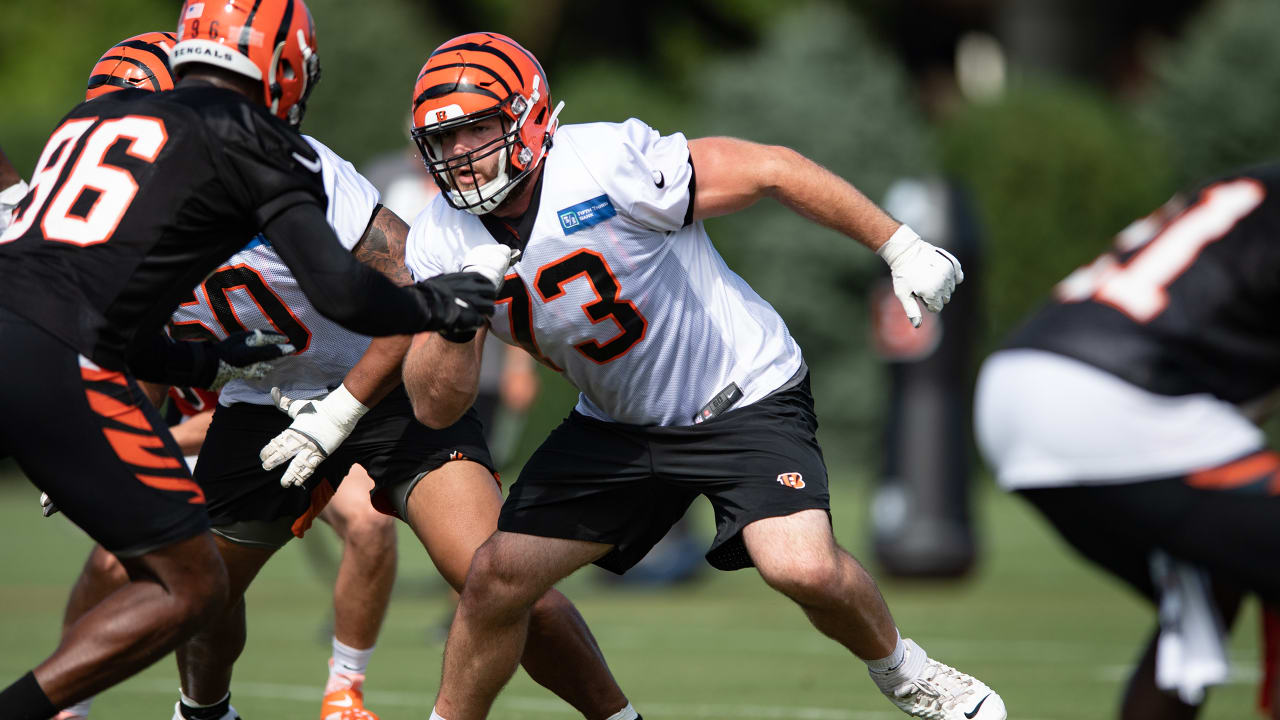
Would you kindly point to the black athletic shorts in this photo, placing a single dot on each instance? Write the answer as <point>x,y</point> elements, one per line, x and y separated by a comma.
<point>248,505</point>
<point>1225,520</point>
<point>626,485</point>
<point>90,439</point>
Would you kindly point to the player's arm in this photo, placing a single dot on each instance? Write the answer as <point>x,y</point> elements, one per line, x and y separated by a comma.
<point>732,174</point>
<point>362,299</point>
<point>442,377</point>
<point>322,424</point>
<point>442,370</point>
<point>163,360</point>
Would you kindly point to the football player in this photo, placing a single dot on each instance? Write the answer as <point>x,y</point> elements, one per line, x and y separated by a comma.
<point>1124,411</point>
<point>690,382</point>
<point>343,391</point>
<point>135,198</point>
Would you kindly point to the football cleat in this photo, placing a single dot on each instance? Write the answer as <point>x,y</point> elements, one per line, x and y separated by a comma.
<point>344,698</point>
<point>938,691</point>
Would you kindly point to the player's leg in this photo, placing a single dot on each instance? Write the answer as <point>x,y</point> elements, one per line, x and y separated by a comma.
<point>251,516</point>
<point>509,573</point>
<point>102,575</point>
<point>124,484</point>
<point>577,496</point>
<point>205,660</point>
<point>762,469</point>
<point>362,591</point>
<point>797,555</point>
<point>453,510</point>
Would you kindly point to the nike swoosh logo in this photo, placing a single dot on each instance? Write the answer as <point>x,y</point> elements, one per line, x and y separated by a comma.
<point>977,707</point>
<point>312,165</point>
<point>346,702</point>
<point>659,179</point>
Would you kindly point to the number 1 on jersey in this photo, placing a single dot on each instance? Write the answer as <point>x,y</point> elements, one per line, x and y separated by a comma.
<point>1138,287</point>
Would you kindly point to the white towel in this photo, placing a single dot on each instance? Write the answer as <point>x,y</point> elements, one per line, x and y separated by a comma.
<point>1191,652</point>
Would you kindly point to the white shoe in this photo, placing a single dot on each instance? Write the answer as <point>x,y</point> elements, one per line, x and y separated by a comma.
<point>935,691</point>
<point>230,714</point>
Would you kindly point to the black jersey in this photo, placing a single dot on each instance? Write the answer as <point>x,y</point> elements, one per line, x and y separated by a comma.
<point>135,199</point>
<point>1186,301</point>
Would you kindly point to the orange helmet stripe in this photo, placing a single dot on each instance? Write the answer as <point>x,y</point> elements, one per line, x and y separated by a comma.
<point>139,62</point>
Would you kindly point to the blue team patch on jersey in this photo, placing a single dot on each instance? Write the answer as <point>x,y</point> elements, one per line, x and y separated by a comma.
<point>585,214</point>
<point>257,240</point>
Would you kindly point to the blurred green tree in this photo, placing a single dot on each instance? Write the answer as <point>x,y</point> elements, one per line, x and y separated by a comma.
<point>1214,101</point>
<point>1055,171</point>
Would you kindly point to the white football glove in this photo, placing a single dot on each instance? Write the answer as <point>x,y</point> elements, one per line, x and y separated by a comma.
<point>920,270</point>
<point>9,199</point>
<point>47,508</point>
<point>490,260</point>
<point>319,427</point>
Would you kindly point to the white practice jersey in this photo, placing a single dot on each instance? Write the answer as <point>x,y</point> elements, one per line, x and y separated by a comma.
<point>635,307</point>
<point>254,289</point>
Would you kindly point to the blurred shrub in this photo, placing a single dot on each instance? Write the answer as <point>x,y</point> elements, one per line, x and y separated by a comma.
<point>1055,171</point>
<point>1215,100</point>
<point>818,83</point>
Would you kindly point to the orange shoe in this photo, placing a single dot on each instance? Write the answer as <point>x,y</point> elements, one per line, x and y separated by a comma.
<point>344,699</point>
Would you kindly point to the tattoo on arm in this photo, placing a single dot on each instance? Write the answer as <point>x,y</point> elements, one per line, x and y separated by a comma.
<point>382,247</point>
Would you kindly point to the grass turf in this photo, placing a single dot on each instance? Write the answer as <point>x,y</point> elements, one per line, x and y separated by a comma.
<point>1052,635</point>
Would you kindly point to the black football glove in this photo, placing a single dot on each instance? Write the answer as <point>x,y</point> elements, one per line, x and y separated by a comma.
<point>459,304</point>
<point>245,355</point>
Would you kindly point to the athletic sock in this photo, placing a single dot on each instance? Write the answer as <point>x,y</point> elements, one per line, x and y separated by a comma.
<point>626,713</point>
<point>192,710</point>
<point>906,671</point>
<point>435,715</point>
<point>347,665</point>
<point>890,662</point>
<point>25,700</point>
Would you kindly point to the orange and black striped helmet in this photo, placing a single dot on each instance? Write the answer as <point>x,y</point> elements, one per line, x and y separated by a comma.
<point>477,77</point>
<point>271,41</point>
<point>140,62</point>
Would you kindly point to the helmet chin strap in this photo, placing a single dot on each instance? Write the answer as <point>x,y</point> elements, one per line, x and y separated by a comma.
<point>475,200</point>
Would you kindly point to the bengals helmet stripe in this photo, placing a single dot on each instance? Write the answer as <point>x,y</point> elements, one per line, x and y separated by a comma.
<point>471,79</point>
<point>270,41</point>
<point>246,31</point>
<point>140,62</point>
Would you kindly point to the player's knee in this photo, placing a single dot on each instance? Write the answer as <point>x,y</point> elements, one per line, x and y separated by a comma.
<point>495,583</point>
<point>104,569</point>
<point>804,579</point>
<point>371,533</point>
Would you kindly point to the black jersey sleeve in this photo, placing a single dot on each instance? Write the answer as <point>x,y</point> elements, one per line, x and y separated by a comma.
<point>161,359</point>
<point>264,163</point>
<point>339,286</point>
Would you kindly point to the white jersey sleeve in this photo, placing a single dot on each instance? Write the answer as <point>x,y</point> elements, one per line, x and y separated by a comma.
<point>352,198</point>
<point>646,174</point>
<point>254,289</point>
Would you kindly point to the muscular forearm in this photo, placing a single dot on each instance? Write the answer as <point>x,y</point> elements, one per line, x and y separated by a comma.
<point>441,377</point>
<point>378,370</point>
<point>733,174</point>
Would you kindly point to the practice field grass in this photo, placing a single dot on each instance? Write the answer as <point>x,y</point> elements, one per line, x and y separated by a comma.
<point>1053,636</point>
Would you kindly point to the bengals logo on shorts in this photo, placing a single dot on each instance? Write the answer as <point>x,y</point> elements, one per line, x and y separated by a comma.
<point>792,480</point>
